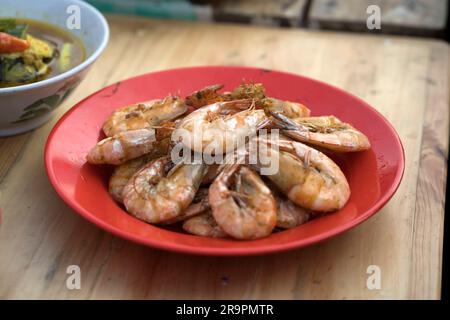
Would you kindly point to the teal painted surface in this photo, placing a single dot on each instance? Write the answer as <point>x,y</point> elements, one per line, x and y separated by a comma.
<point>169,9</point>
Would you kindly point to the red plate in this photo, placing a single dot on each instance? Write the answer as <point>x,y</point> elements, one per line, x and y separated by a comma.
<point>373,175</point>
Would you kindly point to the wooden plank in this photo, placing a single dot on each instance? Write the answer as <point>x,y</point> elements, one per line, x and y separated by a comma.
<point>268,12</point>
<point>429,213</point>
<point>10,149</point>
<point>404,78</point>
<point>417,17</point>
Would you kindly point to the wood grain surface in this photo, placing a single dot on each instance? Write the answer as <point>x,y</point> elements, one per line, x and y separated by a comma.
<point>419,17</point>
<point>268,12</point>
<point>406,79</point>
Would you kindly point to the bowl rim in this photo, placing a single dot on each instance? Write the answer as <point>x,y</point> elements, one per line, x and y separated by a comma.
<point>228,252</point>
<point>77,69</point>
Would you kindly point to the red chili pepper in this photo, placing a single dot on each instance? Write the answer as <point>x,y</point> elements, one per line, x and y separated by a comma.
<point>11,44</point>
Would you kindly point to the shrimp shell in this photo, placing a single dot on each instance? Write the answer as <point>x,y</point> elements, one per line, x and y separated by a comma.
<point>204,225</point>
<point>290,215</point>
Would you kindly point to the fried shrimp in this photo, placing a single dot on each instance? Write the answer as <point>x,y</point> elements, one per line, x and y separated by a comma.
<point>290,215</point>
<point>144,115</point>
<point>204,225</point>
<point>160,191</point>
<point>242,204</point>
<point>326,132</point>
<point>210,94</point>
<point>123,173</point>
<point>220,127</point>
<point>128,145</point>
<point>122,147</point>
<point>308,177</point>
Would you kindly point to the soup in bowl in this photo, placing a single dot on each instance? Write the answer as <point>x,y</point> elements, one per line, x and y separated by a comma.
<point>32,51</point>
<point>46,49</point>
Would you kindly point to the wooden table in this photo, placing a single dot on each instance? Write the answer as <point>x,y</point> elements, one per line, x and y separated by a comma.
<point>406,79</point>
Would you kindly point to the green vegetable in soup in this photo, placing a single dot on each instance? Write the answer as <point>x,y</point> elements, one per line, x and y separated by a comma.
<point>7,24</point>
<point>11,27</point>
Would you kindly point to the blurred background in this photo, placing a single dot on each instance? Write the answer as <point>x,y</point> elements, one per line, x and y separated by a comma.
<point>425,18</point>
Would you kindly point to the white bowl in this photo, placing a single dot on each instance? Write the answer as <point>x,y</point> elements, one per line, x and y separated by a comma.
<point>28,106</point>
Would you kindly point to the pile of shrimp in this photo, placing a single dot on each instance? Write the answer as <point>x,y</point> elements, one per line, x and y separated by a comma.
<point>232,199</point>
